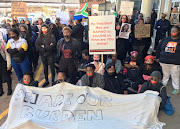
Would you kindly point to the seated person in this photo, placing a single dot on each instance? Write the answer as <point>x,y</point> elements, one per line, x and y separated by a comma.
<point>147,68</point>
<point>117,62</point>
<point>132,75</point>
<point>99,67</point>
<point>113,81</point>
<point>28,80</point>
<point>86,59</point>
<point>156,85</point>
<point>92,78</point>
<point>61,77</point>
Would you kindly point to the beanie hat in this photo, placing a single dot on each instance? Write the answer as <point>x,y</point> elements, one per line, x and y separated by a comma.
<point>156,74</point>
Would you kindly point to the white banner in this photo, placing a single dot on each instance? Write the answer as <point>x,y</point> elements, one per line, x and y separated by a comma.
<point>65,106</point>
<point>102,35</point>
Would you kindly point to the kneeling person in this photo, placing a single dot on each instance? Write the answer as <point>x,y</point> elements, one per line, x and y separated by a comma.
<point>61,77</point>
<point>113,81</point>
<point>91,78</point>
<point>156,85</point>
<point>28,80</point>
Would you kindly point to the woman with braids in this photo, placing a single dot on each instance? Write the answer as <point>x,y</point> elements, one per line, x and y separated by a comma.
<point>46,44</point>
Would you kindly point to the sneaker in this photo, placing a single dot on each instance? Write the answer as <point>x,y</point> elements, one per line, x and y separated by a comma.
<point>45,84</point>
<point>9,92</point>
<point>1,93</point>
<point>175,92</point>
<point>53,83</point>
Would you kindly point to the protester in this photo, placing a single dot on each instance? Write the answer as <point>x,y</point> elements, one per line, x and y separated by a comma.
<point>58,24</point>
<point>61,32</point>
<point>48,21</point>
<point>147,68</point>
<point>162,26</point>
<point>17,48</point>
<point>70,23</point>
<point>137,14</point>
<point>153,17</point>
<point>99,67</point>
<point>155,85</point>
<point>140,16</point>
<point>67,55</point>
<point>77,33</point>
<point>28,80</point>
<point>117,62</point>
<point>113,81</point>
<point>46,44</point>
<point>35,27</point>
<point>168,53</point>
<point>54,31</point>
<point>91,78</point>
<point>5,68</point>
<point>139,43</point>
<point>40,22</point>
<point>86,59</point>
<point>61,77</point>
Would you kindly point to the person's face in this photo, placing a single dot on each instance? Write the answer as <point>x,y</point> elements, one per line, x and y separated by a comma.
<point>138,11</point>
<point>134,59</point>
<point>61,77</point>
<point>76,21</point>
<point>66,34</point>
<point>175,9</point>
<point>44,30</point>
<point>124,19</point>
<point>96,57</point>
<point>56,22</point>
<point>84,56</point>
<point>141,22</point>
<point>140,16</point>
<point>154,80</point>
<point>89,71</point>
<point>22,22</point>
<point>149,61</point>
<point>40,21</point>
<point>118,27</point>
<point>23,29</point>
<point>13,35</point>
<point>111,70</point>
<point>8,30</point>
<point>163,15</point>
<point>26,79</point>
<point>152,11</point>
<point>148,20</point>
<point>174,32</point>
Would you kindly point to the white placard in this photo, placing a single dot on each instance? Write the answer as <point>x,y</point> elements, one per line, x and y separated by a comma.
<point>102,35</point>
<point>64,17</point>
<point>126,7</point>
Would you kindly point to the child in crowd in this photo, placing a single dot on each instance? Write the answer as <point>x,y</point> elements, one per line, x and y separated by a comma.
<point>61,77</point>
<point>28,80</point>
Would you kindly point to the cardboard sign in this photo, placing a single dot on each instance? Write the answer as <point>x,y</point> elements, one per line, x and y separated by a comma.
<point>142,31</point>
<point>91,2</point>
<point>66,106</point>
<point>18,9</point>
<point>175,18</point>
<point>125,31</point>
<point>72,11</point>
<point>126,7</point>
<point>102,35</point>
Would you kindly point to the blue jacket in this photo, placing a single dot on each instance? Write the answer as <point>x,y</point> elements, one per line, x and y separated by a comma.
<point>162,27</point>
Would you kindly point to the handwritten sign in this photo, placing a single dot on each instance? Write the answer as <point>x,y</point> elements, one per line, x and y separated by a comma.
<point>142,31</point>
<point>66,106</point>
<point>90,2</point>
<point>102,35</point>
<point>18,9</point>
<point>175,18</point>
<point>126,7</point>
<point>125,31</point>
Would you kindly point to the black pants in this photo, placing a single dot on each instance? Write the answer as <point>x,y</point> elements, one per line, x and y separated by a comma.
<point>48,60</point>
<point>158,38</point>
<point>5,76</point>
<point>69,68</point>
<point>146,48</point>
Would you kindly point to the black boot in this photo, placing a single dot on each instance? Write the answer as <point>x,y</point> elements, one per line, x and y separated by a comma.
<point>45,84</point>
<point>9,92</point>
<point>1,92</point>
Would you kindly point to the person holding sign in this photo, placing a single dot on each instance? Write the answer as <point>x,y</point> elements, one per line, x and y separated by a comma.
<point>168,53</point>
<point>139,43</point>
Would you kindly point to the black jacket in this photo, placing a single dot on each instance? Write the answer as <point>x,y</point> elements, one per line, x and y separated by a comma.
<point>114,83</point>
<point>77,31</point>
<point>48,49</point>
<point>162,91</point>
<point>168,51</point>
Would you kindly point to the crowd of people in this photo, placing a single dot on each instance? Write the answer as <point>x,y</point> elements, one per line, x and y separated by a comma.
<point>64,49</point>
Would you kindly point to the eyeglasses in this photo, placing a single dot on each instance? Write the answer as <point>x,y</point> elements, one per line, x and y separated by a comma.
<point>154,79</point>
